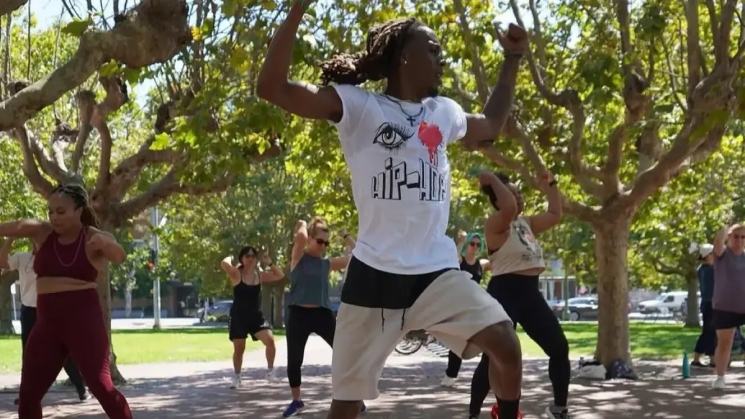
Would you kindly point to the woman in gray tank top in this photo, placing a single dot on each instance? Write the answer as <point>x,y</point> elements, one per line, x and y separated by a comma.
<point>729,294</point>
<point>309,306</point>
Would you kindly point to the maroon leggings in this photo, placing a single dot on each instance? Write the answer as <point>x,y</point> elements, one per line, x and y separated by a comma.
<point>68,324</point>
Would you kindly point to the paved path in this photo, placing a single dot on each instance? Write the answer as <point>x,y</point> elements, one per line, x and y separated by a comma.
<point>409,387</point>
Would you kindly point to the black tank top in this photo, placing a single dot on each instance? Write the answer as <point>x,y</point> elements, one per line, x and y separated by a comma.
<point>475,270</point>
<point>246,297</point>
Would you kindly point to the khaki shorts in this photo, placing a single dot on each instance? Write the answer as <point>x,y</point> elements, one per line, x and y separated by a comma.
<point>453,309</point>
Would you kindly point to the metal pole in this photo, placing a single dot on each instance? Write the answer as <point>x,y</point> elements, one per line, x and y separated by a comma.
<point>156,282</point>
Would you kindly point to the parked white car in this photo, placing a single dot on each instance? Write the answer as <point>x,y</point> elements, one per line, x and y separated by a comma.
<point>666,302</point>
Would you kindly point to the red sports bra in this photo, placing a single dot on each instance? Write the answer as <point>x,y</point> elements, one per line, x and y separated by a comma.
<point>64,260</point>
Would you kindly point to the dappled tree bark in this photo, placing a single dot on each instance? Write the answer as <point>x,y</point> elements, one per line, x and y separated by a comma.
<point>611,244</point>
<point>692,308</point>
<point>7,279</point>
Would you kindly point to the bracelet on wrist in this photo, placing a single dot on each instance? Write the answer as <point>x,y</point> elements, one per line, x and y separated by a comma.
<point>346,235</point>
<point>553,183</point>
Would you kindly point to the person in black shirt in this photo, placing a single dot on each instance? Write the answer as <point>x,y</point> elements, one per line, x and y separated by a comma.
<point>470,246</point>
<point>707,341</point>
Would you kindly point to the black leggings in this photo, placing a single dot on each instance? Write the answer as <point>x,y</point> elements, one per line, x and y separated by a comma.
<point>707,341</point>
<point>522,300</point>
<point>28,320</point>
<point>301,322</point>
<point>454,363</point>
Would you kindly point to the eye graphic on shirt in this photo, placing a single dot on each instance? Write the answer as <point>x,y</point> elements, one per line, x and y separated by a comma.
<point>392,136</point>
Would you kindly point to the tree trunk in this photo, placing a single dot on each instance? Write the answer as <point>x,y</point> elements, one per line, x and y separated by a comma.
<point>128,296</point>
<point>104,297</point>
<point>7,280</point>
<point>273,291</point>
<point>691,319</point>
<point>611,251</point>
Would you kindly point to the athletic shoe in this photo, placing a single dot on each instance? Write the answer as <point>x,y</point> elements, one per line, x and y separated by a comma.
<point>551,414</point>
<point>294,407</point>
<point>85,397</point>
<point>719,383</point>
<point>448,382</point>
<point>363,409</point>
<point>698,364</point>
<point>495,412</point>
<point>271,375</point>
<point>236,382</point>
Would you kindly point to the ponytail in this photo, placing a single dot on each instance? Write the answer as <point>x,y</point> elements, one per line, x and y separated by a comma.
<point>88,217</point>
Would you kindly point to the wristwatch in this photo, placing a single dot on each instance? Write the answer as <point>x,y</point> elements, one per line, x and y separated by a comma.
<point>553,183</point>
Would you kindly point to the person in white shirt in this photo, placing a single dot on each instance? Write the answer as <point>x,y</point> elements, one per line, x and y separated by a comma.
<point>403,274</point>
<point>23,262</point>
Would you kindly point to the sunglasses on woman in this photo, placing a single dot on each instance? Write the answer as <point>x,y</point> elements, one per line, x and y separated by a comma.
<point>474,244</point>
<point>322,242</point>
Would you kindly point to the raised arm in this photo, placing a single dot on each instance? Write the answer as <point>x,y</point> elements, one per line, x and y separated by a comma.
<point>498,223</point>
<point>720,241</point>
<point>31,229</point>
<point>542,222</point>
<point>340,263</point>
<point>300,98</point>
<point>5,254</point>
<point>482,129</point>
<point>460,241</point>
<point>301,239</point>
<point>227,266</point>
<point>271,271</point>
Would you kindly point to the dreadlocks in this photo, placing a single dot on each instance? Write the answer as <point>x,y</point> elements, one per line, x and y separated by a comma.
<point>79,196</point>
<point>384,44</point>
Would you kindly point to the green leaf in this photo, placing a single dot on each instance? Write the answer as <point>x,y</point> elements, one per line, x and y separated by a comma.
<point>76,27</point>
<point>109,69</point>
<point>161,141</point>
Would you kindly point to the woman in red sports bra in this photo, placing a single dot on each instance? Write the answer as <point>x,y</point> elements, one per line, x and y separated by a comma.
<point>70,322</point>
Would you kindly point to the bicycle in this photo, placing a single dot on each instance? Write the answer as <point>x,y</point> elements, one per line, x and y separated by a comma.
<point>413,341</point>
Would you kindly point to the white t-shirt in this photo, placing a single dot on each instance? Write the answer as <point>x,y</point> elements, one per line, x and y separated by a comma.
<point>24,263</point>
<point>395,152</point>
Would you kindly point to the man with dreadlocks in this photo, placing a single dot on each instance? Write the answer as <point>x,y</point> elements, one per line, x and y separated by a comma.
<point>71,252</point>
<point>403,275</point>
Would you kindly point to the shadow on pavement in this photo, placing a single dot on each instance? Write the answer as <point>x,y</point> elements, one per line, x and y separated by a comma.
<point>413,391</point>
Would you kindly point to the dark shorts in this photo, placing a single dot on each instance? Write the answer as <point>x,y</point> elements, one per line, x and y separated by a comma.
<point>726,319</point>
<point>241,325</point>
<point>365,286</point>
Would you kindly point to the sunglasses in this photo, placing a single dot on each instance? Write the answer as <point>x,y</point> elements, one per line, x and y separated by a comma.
<point>322,242</point>
<point>474,244</point>
<point>738,237</point>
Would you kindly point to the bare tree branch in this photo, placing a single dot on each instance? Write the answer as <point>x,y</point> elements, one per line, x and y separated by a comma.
<point>695,57</point>
<point>94,115</point>
<point>165,187</point>
<point>477,65</point>
<point>666,269</point>
<point>9,6</point>
<point>568,99</point>
<point>40,184</point>
<point>160,25</point>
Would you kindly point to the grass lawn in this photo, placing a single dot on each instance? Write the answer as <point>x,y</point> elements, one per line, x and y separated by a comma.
<point>146,346</point>
<point>211,344</point>
<point>648,340</point>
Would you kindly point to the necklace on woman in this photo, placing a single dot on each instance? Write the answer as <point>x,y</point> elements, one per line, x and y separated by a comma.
<point>411,118</point>
<point>77,251</point>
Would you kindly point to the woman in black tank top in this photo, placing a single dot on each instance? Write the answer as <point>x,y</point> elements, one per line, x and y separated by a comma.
<point>245,313</point>
<point>470,247</point>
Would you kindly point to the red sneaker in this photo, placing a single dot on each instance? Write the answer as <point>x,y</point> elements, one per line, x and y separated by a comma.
<point>495,413</point>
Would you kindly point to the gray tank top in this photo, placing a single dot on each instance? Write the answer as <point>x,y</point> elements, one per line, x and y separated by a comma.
<point>309,282</point>
<point>729,282</point>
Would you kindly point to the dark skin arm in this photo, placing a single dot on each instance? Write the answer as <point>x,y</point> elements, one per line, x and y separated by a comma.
<point>484,128</point>
<point>300,98</point>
